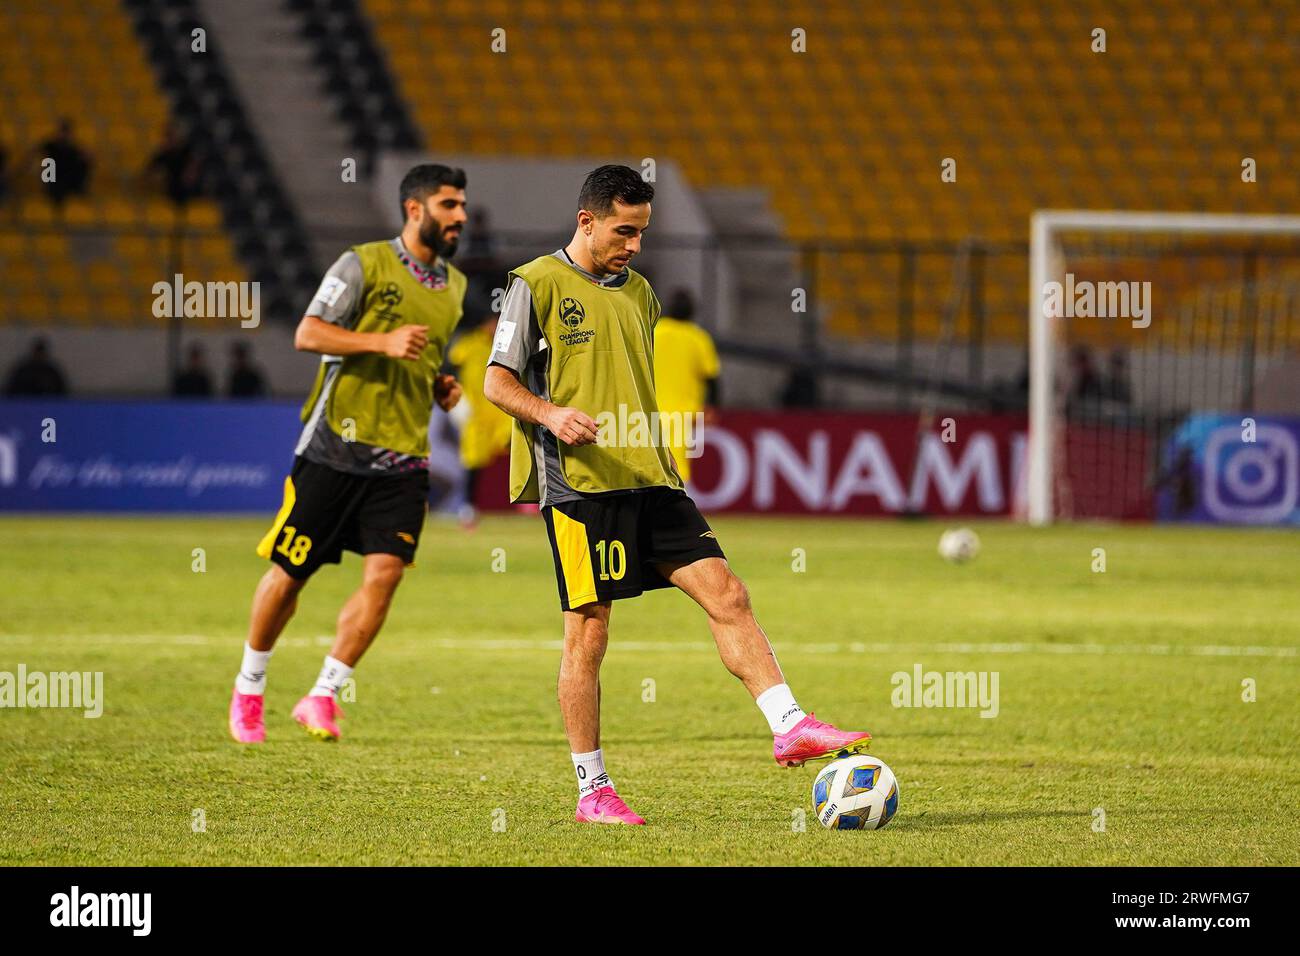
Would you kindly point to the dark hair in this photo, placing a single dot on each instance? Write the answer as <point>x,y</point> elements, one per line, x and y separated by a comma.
<point>681,305</point>
<point>605,184</point>
<point>426,179</point>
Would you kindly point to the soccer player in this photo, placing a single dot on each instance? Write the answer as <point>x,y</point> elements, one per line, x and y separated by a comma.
<point>686,375</point>
<point>380,321</point>
<point>485,433</point>
<point>577,326</point>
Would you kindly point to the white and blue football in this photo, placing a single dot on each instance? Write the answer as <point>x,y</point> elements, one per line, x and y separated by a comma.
<point>855,793</point>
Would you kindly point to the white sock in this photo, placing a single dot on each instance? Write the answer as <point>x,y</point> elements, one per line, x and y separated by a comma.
<point>331,678</point>
<point>590,769</point>
<point>780,708</point>
<point>252,672</point>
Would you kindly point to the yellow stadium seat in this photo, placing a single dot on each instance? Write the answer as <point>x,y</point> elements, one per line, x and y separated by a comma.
<point>70,58</point>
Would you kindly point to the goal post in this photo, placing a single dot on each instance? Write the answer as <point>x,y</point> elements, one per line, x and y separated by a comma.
<point>1189,301</point>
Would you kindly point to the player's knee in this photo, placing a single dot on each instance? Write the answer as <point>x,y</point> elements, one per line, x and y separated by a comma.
<point>285,583</point>
<point>582,657</point>
<point>586,637</point>
<point>733,598</point>
<point>384,578</point>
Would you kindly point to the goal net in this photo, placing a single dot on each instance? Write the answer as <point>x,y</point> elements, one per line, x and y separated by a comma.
<point>1164,367</point>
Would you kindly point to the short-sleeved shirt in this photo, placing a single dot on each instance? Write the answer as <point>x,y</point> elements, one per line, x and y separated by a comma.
<point>685,360</point>
<point>338,301</point>
<point>521,347</point>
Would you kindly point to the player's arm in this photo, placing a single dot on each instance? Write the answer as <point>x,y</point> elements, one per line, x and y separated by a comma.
<point>327,326</point>
<point>501,387</point>
<point>518,339</point>
<point>314,334</point>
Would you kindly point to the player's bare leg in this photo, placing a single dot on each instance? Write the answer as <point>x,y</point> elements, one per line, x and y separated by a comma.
<point>742,644</point>
<point>274,602</point>
<point>747,653</point>
<point>364,613</point>
<point>358,625</point>
<point>586,636</point>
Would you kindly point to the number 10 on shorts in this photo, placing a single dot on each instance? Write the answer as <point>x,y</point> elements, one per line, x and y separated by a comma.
<point>613,560</point>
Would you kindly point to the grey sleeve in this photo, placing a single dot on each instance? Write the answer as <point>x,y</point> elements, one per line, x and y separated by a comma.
<point>518,337</point>
<point>338,299</point>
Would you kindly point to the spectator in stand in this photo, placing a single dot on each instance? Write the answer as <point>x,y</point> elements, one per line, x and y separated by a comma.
<point>37,374</point>
<point>71,164</point>
<point>480,245</point>
<point>246,379</point>
<point>1117,382</point>
<point>1087,381</point>
<point>802,389</point>
<point>193,381</point>
<point>176,161</point>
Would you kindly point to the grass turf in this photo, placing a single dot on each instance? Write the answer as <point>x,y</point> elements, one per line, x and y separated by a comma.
<point>1119,690</point>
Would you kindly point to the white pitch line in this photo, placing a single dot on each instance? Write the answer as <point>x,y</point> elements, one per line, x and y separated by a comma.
<point>854,647</point>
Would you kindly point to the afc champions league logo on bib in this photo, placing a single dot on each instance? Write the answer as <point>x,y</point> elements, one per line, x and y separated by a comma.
<point>389,296</point>
<point>572,313</point>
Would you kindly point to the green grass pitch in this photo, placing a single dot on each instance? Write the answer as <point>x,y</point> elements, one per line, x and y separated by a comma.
<point>1120,690</point>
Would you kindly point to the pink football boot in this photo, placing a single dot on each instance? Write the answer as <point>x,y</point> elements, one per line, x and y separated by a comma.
<point>810,739</point>
<point>604,806</point>
<point>246,718</point>
<point>317,716</point>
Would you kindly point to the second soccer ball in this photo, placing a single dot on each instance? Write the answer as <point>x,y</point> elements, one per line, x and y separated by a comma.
<point>958,545</point>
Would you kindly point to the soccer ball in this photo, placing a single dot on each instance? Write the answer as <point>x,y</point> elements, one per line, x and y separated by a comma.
<point>958,545</point>
<point>855,793</point>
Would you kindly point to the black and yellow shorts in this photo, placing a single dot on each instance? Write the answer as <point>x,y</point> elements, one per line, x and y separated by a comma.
<point>607,548</point>
<point>327,512</point>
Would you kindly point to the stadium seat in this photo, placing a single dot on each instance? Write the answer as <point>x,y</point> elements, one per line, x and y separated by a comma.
<point>1032,115</point>
<point>54,55</point>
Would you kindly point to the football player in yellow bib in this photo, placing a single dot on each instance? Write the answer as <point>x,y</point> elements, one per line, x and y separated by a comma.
<point>360,481</point>
<point>573,364</point>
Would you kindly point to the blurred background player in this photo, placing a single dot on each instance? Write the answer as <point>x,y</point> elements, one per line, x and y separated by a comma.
<point>380,321</point>
<point>484,428</point>
<point>577,327</point>
<point>686,375</point>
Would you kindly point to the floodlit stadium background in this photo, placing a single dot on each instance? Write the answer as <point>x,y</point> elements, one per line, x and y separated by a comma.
<point>845,189</point>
